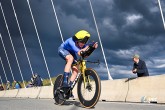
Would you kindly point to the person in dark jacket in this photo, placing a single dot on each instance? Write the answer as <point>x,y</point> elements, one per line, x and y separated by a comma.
<point>139,66</point>
<point>37,80</point>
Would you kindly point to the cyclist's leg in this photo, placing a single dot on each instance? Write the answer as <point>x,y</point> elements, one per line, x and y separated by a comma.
<point>74,69</point>
<point>69,60</point>
<point>72,78</point>
<point>74,73</point>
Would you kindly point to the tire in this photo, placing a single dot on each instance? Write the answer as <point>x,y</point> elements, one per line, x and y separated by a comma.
<point>58,95</point>
<point>89,96</point>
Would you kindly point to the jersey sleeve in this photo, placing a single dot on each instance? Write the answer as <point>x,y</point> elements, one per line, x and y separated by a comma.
<point>73,46</point>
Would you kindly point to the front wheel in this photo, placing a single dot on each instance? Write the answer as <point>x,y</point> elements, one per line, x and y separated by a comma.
<point>89,92</point>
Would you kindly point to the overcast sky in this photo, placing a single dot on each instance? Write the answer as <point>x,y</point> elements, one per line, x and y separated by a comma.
<point>126,27</point>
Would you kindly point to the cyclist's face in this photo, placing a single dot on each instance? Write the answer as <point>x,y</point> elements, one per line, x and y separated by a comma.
<point>81,44</point>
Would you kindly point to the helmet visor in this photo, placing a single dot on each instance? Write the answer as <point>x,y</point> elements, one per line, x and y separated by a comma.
<point>85,40</point>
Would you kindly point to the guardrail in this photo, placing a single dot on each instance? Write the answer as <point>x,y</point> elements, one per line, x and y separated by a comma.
<point>143,89</point>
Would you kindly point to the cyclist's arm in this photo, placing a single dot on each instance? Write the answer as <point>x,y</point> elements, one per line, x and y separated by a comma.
<point>85,52</point>
<point>79,52</point>
<point>72,46</point>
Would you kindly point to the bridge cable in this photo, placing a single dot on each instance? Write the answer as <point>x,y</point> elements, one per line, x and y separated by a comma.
<point>1,82</point>
<point>22,37</point>
<point>109,76</point>
<point>39,41</point>
<point>13,48</point>
<point>7,57</point>
<point>3,68</point>
<point>161,13</point>
<point>55,14</point>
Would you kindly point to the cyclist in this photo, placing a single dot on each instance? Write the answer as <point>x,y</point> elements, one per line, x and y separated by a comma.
<point>69,50</point>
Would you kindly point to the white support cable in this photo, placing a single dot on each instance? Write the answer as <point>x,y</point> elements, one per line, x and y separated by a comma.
<point>109,76</point>
<point>161,12</point>
<point>55,14</point>
<point>7,58</point>
<point>22,37</point>
<point>1,81</point>
<point>3,69</point>
<point>13,47</point>
<point>39,41</point>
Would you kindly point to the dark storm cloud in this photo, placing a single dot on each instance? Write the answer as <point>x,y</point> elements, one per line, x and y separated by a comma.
<point>135,33</point>
<point>145,26</point>
<point>126,27</point>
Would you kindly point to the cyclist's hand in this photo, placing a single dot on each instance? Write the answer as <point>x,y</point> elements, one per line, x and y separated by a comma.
<point>83,54</point>
<point>94,44</point>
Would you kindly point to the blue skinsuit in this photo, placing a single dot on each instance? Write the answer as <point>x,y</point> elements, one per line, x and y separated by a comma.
<point>69,47</point>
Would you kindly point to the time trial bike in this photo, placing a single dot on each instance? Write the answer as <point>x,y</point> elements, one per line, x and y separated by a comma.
<point>88,84</point>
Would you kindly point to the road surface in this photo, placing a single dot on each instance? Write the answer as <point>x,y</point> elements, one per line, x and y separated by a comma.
<point>48,104</point>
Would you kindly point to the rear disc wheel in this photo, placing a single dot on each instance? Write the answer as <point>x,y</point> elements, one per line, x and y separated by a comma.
<point>57,91</point>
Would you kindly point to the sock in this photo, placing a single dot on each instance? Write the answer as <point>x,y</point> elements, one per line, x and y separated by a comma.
<point>70,83</point>
<point>65,79</point>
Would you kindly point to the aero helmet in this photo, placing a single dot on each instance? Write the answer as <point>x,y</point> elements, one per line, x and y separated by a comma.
<point>81,36</point>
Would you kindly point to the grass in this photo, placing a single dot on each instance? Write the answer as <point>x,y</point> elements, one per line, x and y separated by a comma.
<point>46,82</point>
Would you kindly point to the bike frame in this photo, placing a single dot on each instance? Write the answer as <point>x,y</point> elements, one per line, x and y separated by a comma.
<point>82,68</point>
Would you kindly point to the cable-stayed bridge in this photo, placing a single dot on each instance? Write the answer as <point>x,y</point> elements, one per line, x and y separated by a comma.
<point>125,90</point>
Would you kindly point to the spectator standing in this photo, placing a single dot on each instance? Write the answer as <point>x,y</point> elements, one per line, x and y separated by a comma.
<point>37,80</point>
<point>139,66</point>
